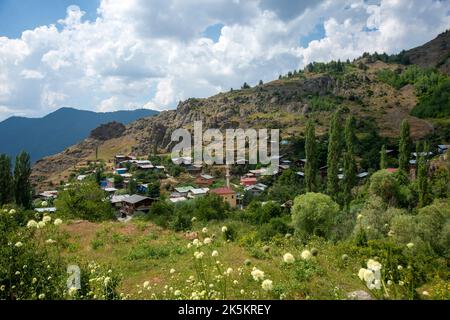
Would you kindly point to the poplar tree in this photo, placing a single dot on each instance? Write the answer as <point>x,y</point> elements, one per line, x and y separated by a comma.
<point>383,158</point>
<point>334,148</point>
<point>22,185</point>
<point>311,157</point>
<point>422,176</point>
<point>404,146</point>
<point>6,180</point>
<point>349,160</point>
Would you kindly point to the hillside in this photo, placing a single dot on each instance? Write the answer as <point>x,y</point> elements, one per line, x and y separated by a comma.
<point>434,54</point>
<point>285,103</point>
<point>56,131</point>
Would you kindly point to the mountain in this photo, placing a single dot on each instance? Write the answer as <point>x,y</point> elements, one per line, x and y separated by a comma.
<point>58,130</point>
<point>434,54</point>
<point>287,103</point>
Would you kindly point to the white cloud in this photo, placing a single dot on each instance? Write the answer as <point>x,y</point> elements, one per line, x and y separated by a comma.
<point>153,54</point>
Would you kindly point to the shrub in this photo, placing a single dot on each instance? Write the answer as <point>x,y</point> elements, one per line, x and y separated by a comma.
<point>84,201</point>
<point>433,224</point>
<point>314,214</point>
<point>384,185</point>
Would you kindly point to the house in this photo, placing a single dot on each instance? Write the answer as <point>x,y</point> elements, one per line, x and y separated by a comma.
<point>300,174</point>
<point>442,148</point>
<point>117,200</point>
<point>182,161</point>
<point>183,191</point>
<point>248,181</point>
<point>44,210</point>
<point>119,158</point>
<point>422,154</point>
<point>194,168</point>
<point>160,168</point>
<point>392,170</point>
<point>121,170</point>
<point>256,189</point>
<point>145,167</point>
<point>204,180</point>
<point>81,177</point>
<point>197,193</point>
<point>259,172</point>
<point>362,175</point>
<point>110,190</point>
<point>135,203</point>
<point>107,183</point>
<point>48,195</point>
<point>178,199</point>
<point>227,194</point>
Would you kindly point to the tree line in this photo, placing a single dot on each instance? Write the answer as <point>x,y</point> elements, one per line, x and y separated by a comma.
<point>15,185</point>
<point>341,159</point>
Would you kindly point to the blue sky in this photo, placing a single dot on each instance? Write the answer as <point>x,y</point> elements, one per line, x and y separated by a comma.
<point>152,53</point>
<point>19,15</point>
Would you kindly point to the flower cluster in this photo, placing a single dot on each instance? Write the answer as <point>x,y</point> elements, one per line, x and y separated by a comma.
<point>371,275</point>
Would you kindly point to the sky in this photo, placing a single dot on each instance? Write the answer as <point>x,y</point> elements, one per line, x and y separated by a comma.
<point>107,55</point>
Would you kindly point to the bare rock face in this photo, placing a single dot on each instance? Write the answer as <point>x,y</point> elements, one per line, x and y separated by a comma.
<point>108,131</point>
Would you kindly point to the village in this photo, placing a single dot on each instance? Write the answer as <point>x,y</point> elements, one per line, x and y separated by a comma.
<point>132,184</point>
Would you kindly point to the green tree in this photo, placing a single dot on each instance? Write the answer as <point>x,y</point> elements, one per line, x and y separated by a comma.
<point>84,200</point>
<point>349,160</point>
<point>6,180</point>
<point>422,176</point>
<point>132,186</point>
<point>22,184</point>
<point>314,214</point>
<point>383,158</point>
<point>334,153</point>
<point>311,157</point>
<point>384,185</point>
<point>153,190</point>
<point>404,146</point>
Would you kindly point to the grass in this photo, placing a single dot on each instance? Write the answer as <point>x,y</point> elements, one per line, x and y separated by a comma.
<point>141,251</point>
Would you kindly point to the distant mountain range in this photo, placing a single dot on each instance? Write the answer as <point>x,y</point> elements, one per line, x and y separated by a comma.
<point>53,133</point>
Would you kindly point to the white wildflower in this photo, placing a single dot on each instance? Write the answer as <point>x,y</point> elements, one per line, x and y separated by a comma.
<point>215,253</point>
<point>18,244</point>
<point>12,211</point>
<point>205,230</point>
<point>50,241</point>
<point>172,271</point>
<point>32,224</point>
<point>288,258</point>
<point>57,222</point>
<point>410,245</point>
<point>41,224</point>
<point>224,229</point>
<point>229,271</point>
<point>257,274</point>
<point>361,273</point>
<point>146,284</point>
<point>207,241</point>
<point>267,285</point>
<point>46,219</point>
<point>306,255</point>
<point>41,296</point>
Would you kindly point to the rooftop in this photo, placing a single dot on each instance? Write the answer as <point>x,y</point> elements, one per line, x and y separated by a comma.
<point>135,198</point>
<point>223,191</point>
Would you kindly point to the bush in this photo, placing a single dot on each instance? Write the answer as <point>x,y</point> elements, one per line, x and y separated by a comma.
<point>314,214</point>
<point>384,185</point>
<point>433,224</point>
<point>84,201</point>
<point>276,227</point>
